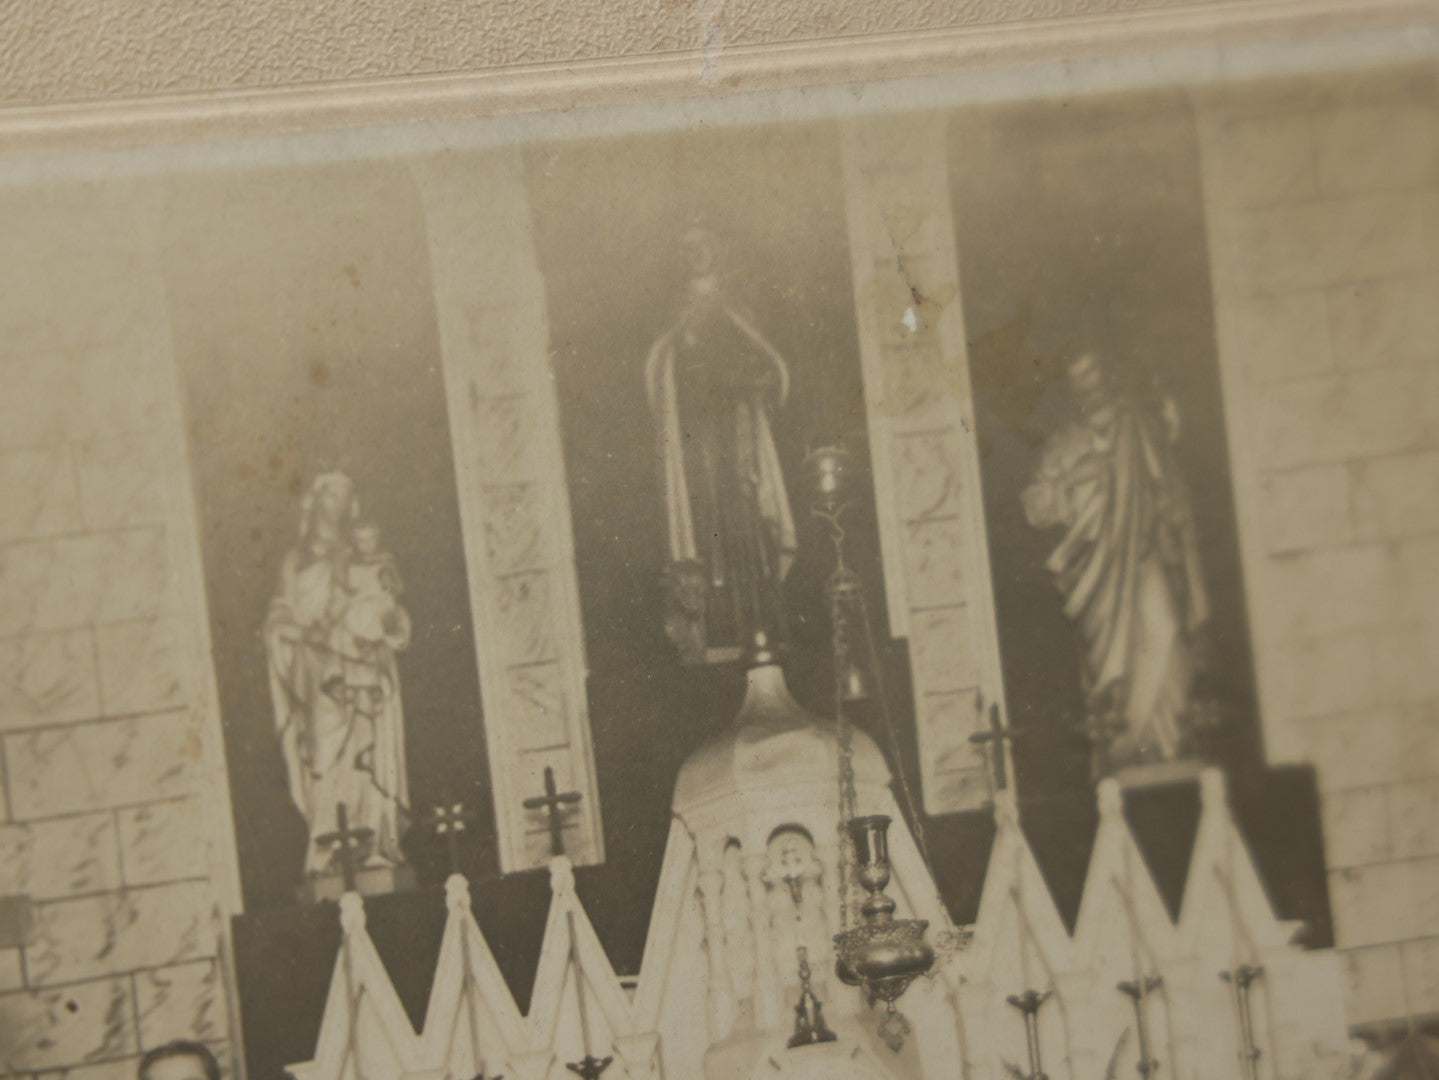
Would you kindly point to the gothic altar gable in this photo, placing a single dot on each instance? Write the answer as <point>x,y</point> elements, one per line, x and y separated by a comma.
<point>1222,988</point>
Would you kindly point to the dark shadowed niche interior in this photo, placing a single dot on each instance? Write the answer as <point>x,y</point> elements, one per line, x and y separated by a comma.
<point>304,330</point>
<point>609,217</point>
<point>1080,226</point>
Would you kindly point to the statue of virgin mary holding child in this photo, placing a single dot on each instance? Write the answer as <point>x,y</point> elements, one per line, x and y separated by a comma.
<point>331,635</point>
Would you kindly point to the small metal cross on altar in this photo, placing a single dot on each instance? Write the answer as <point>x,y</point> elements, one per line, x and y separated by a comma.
<point>1137,990</point>
<point>348,844</point>
<point>1028,1004</point>
<point>1104,722</point>
<point>553,802</point>
<point>1240,978</point>
<point>589,1067</point>
<point>999,737</point>
<point>449,822</point>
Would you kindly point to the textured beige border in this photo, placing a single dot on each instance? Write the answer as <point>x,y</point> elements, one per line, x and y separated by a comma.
<point>106,49</point>
<point>700,73</point>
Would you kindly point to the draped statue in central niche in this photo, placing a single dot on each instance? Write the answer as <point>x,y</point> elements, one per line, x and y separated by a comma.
<point>713,382</point>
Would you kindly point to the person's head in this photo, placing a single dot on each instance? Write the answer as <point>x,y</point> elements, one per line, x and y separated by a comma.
<point>367,538</point>
<point>180,1060</point>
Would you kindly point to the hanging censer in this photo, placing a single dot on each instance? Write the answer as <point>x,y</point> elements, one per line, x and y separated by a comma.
<point>880,954</point>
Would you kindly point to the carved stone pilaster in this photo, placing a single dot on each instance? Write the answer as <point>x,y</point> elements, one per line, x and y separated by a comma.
<point>514,509</point>
<point>766,982</point>
<point>721,991</point>
<point>922,433</point>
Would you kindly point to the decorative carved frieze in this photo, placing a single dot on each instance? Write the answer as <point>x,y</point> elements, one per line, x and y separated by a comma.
<point>494,335</point>
<point>921,422</point>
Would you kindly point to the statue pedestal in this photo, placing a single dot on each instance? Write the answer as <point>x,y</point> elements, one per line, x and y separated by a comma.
<point>1158,774</point>
<point>719,654</point>
<point>369,881</point>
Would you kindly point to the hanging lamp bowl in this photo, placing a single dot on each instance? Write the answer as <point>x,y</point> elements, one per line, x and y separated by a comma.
<point>882,954</point>
<point>883,958</point>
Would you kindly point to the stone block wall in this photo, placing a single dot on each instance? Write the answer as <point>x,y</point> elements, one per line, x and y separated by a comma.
<point>1323,208</point>
<point>113,814</point>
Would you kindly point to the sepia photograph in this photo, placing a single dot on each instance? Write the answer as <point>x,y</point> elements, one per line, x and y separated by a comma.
<point>919,568</point>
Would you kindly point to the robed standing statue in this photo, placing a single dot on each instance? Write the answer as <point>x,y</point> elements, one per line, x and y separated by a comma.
<point>331,635</point>
<point>1127,566</point>
<point>713,381</point>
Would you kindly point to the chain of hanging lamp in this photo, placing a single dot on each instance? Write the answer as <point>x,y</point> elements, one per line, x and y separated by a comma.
<point>845,592</point>
<point>877,952</point>
<point>949,940</point>
<point>844,732</point>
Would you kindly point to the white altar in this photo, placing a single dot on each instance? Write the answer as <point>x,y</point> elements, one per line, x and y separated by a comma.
<point>748,878</point>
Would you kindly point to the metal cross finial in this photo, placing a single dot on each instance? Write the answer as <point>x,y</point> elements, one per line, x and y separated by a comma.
<point>589,1067</point>
<point>1240,978</point>
<point>1137,990</point>
<point>1028,1003</point>
<point>998,738</point>
<point>1104,722</point>
<point>449,822</point>
<point>348,844</point>
<point>553,802</point>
